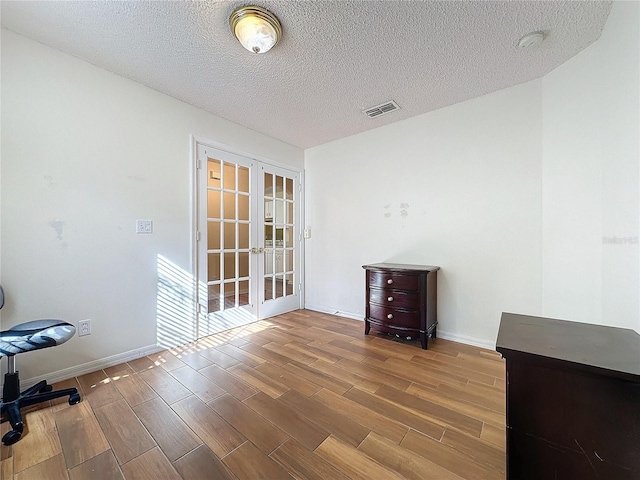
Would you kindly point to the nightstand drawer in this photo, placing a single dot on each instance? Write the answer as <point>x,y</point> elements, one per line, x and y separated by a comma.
<point>392,316</point>
<point>394,280</point>
<point>395,298</point>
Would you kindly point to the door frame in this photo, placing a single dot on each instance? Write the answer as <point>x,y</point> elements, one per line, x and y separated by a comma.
<point>194,208</point>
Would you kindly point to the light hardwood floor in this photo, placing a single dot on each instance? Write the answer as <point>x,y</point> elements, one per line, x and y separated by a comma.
<point>302,395</point>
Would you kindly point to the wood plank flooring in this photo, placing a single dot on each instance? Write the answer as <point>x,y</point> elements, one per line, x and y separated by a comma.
<point>303,395</point>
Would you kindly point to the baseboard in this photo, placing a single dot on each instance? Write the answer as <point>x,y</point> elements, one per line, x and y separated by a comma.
<point>91,366</point>
<point>454,337</point>
<point>476,342</point>
<point>353,316</point>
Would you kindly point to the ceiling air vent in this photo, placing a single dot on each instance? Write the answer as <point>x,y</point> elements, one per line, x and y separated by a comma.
<point>381,109</point>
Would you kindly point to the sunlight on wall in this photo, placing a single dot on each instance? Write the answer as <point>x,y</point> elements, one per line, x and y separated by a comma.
<point>176,313</point>
<point>175,305</point>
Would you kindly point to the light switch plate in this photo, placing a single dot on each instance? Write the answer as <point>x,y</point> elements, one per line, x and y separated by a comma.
<point>144,226</point>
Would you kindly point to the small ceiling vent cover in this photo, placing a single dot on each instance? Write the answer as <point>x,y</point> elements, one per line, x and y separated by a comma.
<point>381,109</point>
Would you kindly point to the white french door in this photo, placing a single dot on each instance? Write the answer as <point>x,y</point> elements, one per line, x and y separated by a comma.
<point>280,235</point>
<point>248,240</point>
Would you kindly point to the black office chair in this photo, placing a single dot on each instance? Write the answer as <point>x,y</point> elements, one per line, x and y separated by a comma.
<point>25,338</point>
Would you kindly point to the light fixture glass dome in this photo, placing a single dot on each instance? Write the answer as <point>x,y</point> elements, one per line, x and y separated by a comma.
<point>257,29</point>
<point>532,39</point>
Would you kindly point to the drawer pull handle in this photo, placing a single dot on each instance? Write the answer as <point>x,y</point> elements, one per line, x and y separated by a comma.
<point>390,281</point>
<point>390,316</point>
<point>390,299</point>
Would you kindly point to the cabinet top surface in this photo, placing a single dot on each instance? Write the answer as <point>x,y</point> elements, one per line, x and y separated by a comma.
<point>607,350</point>
<point>400,266</point>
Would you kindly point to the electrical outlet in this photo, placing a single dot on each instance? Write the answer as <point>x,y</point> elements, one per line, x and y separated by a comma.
<point>84,328</point>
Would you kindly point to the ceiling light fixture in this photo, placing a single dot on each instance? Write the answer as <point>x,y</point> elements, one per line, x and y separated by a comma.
<point>531,39</point>
<point>256,28</point>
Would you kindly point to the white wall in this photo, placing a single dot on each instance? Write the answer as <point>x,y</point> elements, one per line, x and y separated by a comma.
<point>591,261</point>
<point>458,188</point>
<point>514,195</point>
<point>84,154</point>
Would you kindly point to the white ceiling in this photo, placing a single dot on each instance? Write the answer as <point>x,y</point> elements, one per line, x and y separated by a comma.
<point>335,59</point>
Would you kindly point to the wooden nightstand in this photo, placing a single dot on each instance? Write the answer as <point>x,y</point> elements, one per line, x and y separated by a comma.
<point>401,299</point>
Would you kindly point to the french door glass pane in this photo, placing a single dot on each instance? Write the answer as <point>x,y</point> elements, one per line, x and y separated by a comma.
<point>214,298</point>
<point>279,291</point>
<point>243,179</point>
<point>229,206</point>
<point>289,218</point>
<point>213,235</point>
<point>268,183</point>
<point>243,264</point>
<point>243,236</point>
<point>279,211</point>
<point>243,293</point>
<point>214,173</point>
<point>288,281</point>
<point>268,288</point>
<point>288,237</point>
<point>268,235</point>
<point>229,176</point>
<point>229,235</point>
<point>229,294</point>
<point>229,265</point>
<point>243,207</point>
<point>213,204</point>
<point>289,191</point>
<point>213,267</point>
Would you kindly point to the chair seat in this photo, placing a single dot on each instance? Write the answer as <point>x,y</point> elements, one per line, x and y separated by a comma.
<point>34,335</point>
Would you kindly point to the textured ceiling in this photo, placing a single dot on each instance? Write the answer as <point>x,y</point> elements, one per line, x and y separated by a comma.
<point>335,59</point>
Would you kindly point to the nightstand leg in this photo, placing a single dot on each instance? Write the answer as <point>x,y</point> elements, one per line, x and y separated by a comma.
<point>367,327</point>
<point>423,340</point>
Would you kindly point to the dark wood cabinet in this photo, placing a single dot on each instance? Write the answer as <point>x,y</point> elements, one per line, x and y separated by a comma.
<point>401,299</point>
<point>573,399</point>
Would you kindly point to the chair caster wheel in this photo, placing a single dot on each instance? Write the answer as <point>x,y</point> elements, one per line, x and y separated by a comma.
<point>46,388</point>
<point>11,437</point>
<point>73,399</point>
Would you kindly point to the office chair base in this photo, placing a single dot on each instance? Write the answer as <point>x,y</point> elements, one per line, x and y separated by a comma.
<point>12,402</point>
